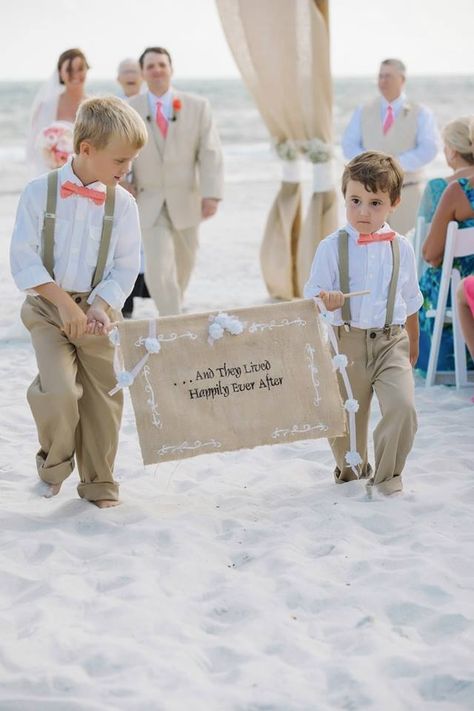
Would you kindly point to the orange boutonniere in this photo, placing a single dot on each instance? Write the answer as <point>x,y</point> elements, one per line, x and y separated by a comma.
<point>177,106</point>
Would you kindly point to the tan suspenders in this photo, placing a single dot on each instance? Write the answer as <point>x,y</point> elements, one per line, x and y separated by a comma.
<point>343,246</point>
<point>47,234</point>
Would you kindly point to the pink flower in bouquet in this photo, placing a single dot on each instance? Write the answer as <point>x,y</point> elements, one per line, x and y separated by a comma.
<point>56,143</point>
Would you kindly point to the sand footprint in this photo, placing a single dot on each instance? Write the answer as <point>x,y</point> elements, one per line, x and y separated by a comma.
<point>444,687</point>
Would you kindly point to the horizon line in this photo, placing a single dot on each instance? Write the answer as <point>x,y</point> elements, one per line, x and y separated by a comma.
<point>413,75</point>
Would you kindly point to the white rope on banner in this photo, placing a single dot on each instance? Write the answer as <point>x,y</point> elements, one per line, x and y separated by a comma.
<point>125,378</point>
<point>351,406</point>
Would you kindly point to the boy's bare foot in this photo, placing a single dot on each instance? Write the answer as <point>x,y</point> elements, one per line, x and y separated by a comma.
<point>49,490</point>
<point>106,503</point>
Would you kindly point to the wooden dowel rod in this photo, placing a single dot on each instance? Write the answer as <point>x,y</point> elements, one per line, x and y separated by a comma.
<point>357,293</point>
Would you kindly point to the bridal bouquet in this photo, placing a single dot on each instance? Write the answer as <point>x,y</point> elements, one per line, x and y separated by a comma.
<point>56,143</point>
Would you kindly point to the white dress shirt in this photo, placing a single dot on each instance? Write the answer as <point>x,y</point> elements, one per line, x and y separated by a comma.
<point>426,135</point>
<point>370,268</point>
<point>166,100</point>
<point>77,237</point>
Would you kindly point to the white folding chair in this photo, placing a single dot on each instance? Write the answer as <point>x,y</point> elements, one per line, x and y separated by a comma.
<point>421,230</point>
<point>459,243</point>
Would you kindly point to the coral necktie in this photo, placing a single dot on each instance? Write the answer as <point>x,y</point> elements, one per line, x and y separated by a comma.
<point>161,120</point>
<point>376,237</point>
<point>68,189</point>
<point>388,121</point>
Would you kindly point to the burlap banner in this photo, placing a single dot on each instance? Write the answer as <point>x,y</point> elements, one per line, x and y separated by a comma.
<point>210,382</point>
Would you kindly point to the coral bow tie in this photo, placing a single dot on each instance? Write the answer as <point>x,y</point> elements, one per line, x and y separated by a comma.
<point>376,237</point>
<point>68,189</point>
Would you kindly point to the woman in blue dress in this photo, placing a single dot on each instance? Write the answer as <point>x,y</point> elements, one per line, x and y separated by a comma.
<point>437,207</point>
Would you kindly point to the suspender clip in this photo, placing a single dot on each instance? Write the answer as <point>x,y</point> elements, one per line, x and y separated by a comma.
<point>347,327</point>
<point>387,331</point>
<point>51,215</point>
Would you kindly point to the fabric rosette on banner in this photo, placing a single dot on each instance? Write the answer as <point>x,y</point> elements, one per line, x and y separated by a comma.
<point>56,143</point>
<point>286,69</point>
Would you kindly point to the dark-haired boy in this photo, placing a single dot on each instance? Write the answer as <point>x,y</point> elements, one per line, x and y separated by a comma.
<point>378,332</point>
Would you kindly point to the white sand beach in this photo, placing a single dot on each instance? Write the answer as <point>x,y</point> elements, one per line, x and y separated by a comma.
<point>234,582</point>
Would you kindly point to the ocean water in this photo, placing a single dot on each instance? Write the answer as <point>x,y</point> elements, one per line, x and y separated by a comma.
<point>246,141</point>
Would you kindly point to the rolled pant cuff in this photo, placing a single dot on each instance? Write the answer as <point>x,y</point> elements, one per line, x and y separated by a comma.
<point>56,474</point>
<point>389,486</point>
<point>344,476</point>
<point>98,491</point>
<point>348,475</point>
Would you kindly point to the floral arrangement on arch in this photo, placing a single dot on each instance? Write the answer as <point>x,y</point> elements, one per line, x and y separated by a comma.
<point>288,150</point>
<point>315,150</point>
<point>56,143</point>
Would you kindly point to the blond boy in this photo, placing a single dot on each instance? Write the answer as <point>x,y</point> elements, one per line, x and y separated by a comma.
<point>75,251</point>
<point>378,331</point>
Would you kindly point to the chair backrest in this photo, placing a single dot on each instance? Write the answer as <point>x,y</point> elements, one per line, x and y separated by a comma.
<point>463,240</point>
<point>421,230</point>
<point>459,243</point>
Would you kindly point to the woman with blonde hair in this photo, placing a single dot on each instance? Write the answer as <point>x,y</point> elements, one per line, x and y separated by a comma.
<point>49,142</point>
<point>446,199</point>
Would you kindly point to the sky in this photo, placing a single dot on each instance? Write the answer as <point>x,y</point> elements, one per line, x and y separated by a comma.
<point>431,36</point>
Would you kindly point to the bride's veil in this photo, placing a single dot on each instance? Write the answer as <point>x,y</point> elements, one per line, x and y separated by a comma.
<point>43,112</point>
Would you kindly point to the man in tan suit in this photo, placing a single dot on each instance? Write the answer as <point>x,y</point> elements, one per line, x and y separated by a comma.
<point>178,179</point>
<point>401,128</point>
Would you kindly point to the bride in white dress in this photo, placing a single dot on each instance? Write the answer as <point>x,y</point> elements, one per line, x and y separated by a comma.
<point>49,142</point>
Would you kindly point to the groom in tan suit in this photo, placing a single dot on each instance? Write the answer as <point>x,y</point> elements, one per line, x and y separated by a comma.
<point>178,178</point>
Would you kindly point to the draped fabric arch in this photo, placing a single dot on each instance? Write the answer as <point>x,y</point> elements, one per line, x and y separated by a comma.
<point>282,50</point>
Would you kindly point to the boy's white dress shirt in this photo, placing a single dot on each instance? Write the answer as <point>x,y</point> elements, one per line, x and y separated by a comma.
<point>76,241</point>
<point>370,267</point>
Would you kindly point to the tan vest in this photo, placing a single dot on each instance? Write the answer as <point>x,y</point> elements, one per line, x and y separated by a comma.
<point>400,138</point>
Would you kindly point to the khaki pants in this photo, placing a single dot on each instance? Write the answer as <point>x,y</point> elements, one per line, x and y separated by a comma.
<point>170,255</point>
<point>381,365</point>
<point>73,413</point>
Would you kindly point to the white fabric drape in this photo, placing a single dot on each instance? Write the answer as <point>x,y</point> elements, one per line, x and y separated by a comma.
<point>282,50</point>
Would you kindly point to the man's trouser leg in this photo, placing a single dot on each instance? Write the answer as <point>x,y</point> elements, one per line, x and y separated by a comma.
<point>186,244</point>
<point>169,260</point>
